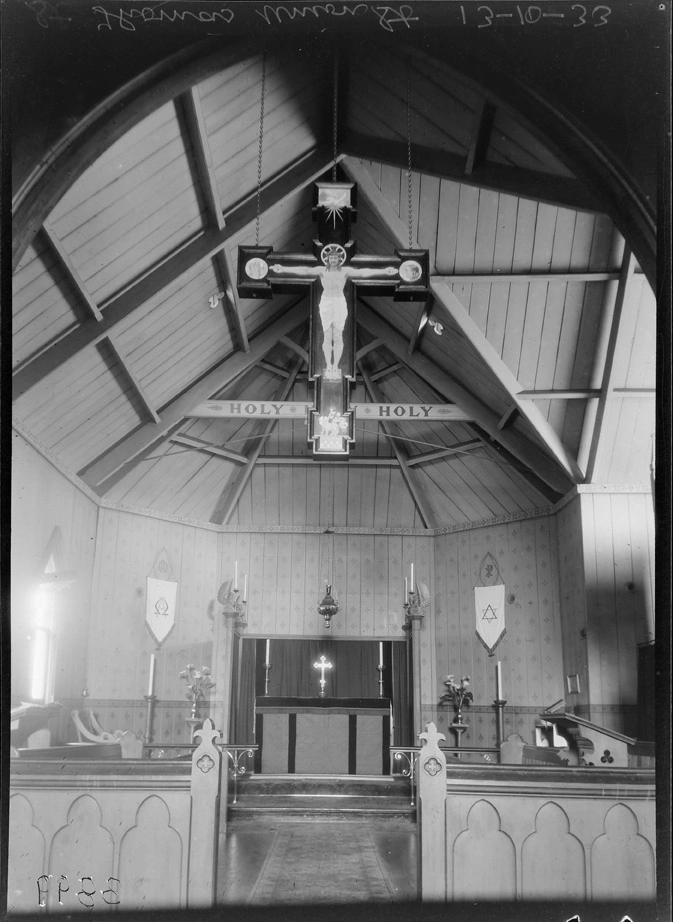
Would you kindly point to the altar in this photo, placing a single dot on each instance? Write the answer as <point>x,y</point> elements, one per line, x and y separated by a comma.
<point>340,736</point>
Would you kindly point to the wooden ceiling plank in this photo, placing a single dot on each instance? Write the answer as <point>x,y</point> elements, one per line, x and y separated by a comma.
<point>419,497</point>
<point>232,492</point>
<point>459,315</point>
<point>492,278</point>
<point>525,451</point>
<point>469,329</point>
<point>173,414</point>
<point>65,262</point>
<point>204,247</point>
<point>555,190</point>
<point>623,305</point>
<point>125,363</point>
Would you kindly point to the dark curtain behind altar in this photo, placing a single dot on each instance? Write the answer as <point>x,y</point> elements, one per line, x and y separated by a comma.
<point>292,674</point>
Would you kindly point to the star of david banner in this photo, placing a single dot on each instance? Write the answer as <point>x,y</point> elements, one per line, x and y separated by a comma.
<point>161,606</point>
<point>489,604</point>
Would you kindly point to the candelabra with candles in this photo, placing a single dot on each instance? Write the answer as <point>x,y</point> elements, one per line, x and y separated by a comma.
<point>234,603</point>
<point>416,599</point>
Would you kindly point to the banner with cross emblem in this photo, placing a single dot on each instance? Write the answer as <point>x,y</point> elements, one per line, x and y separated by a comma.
<point>489,604</point>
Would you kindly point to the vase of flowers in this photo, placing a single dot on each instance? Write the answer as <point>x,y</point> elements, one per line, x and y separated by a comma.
<point>458,694</point>
<point>198,683</point>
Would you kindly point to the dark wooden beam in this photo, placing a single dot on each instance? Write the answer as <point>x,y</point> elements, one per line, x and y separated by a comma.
<point>528,454</point>
<point>172,415</point>
<point>67,265</point>
<point>556,190</point>
<point>202,445</point>
<point>481,136</point>
<point>125,363</point>
<point>176,264</point>
<point>623,307</point>
<point>418,495</point>
<point>308,460</point>
<point>232,492</point>
<point>389,370</point>
<point>460,448</point>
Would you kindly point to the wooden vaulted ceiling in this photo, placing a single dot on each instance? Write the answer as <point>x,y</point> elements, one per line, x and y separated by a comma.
<point>540,326</point>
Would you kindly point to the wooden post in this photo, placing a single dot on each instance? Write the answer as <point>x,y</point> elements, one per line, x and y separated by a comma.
<point>416,627</point>
<point>223,647</point>
<point>431,781</point>
<point>205,791</point>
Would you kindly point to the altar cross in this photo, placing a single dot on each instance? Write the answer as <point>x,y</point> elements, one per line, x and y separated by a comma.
<point>322,666</point>
<point>332,273</point>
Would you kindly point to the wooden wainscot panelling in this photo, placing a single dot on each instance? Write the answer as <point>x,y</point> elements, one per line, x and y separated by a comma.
<point>87,835</point>
<point>537,833</point>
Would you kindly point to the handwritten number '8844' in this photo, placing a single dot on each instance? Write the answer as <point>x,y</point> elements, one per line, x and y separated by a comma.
<point>85,895</point>
<point>578,15</point>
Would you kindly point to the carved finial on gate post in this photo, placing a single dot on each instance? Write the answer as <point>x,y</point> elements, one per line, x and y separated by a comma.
<point>431,776</point>
<point>205,790</point>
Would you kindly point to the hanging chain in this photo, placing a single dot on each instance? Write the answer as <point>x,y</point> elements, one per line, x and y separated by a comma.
<point>335,100</point>
<point>259,155</point>
<point>409,151</point>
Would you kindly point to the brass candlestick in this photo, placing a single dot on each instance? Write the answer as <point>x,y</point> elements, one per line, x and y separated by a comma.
<point>149,720</point>
<point>499,705</point>
<point>380,669</point>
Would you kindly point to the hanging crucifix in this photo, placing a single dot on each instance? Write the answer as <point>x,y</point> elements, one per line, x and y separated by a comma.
<point>332,275</point>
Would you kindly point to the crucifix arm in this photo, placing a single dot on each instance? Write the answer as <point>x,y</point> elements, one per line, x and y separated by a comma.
<point>296,270</point>
<point>371,273</point>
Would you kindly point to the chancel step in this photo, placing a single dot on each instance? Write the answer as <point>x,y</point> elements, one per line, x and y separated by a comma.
<point>329,796</point>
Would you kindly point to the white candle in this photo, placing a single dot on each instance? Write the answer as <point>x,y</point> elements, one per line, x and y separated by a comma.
<point>268,650</point>
<point>406,588</point>
<point>411,581</point>
<point>380,653</point>
<point>498,680</point>
<point>245,588</point>
<point>150,689</point>
<point>236,575</point>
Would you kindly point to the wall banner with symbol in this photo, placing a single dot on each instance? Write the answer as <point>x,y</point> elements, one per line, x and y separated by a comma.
<point>161,606</point>
<point>489,604</point>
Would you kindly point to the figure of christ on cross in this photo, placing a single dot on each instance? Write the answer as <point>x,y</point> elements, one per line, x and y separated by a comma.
<point>332,306</point>
<point>332,274</point>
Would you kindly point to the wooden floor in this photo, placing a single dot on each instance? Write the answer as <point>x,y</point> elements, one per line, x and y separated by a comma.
<point>318,861</point>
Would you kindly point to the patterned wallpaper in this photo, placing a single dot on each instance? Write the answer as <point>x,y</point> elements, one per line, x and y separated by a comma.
<point>604,538</point>
<point>530,651</point>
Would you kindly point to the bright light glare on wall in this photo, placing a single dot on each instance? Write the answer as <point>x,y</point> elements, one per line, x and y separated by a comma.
<point>42,652</point>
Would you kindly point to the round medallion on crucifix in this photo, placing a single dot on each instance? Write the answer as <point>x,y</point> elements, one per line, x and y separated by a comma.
<point>333,254</point>
<point>410,271</point>
<point>256,268</point>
